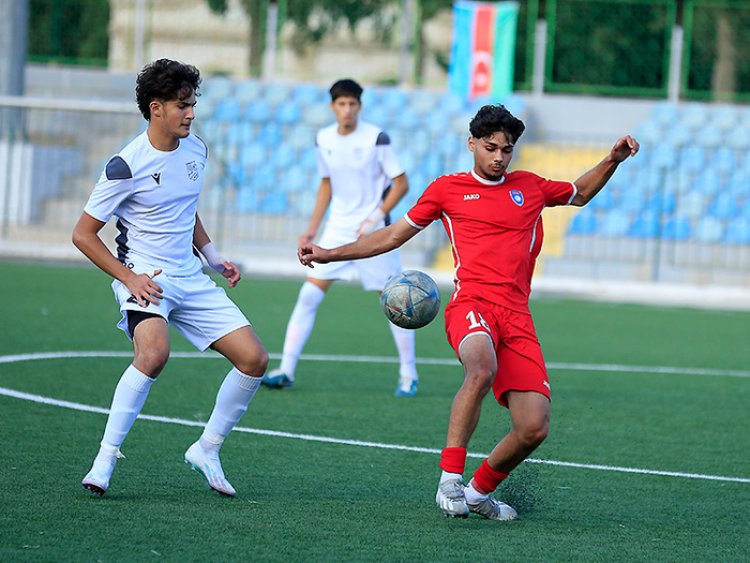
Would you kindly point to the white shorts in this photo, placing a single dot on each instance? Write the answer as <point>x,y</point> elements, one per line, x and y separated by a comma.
<point>194,305</point>
<point>373,273</point>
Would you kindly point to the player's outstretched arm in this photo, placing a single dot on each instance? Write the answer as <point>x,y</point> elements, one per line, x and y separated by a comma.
<point>590,183</point>
<point>379,242</point>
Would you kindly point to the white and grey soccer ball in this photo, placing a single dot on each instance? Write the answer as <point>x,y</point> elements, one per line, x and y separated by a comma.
<point>410,299</point>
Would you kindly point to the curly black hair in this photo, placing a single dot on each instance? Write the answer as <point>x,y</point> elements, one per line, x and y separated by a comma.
<point>165,80</point>
<point>493,118</point>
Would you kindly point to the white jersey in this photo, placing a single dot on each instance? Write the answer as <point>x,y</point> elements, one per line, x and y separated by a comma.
<point>360,166</point>
<point>154,194</point>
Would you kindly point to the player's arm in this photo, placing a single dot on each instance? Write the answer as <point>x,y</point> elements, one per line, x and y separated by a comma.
<point>86,238</point>
<point>221,265</point>
<point>322,201</point>
<point>382,240</point>
<point>399,188</point>
<point>590,183</point>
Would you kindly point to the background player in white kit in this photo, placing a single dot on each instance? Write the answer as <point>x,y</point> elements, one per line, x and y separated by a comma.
<point>152,186</point>
<point>362,181</point>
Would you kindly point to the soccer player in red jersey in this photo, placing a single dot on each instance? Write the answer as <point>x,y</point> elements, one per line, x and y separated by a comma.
<point>493,219</point>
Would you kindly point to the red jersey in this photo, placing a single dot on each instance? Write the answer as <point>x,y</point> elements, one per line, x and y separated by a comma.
<point>495,229</point>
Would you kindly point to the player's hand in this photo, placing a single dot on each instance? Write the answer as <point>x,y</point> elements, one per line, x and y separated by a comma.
<point>145,289</point>
<point>624,147</point>
<point>369,224</point>
<point>309,253</point>
<point>231,272</point>
<point>306,238</point>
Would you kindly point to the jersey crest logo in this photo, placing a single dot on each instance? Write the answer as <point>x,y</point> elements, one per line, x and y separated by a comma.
<point>517,197</point>
<point>192,170</point>
<point>157,177</point>
<point>469,197</point>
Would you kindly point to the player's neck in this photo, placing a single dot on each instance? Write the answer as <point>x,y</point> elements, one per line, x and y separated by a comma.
<point>160,141</point>
<point>347,129</point>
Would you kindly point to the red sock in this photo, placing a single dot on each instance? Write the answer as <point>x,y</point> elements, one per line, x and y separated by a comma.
<point>486,478</point>
<point>453,460</point>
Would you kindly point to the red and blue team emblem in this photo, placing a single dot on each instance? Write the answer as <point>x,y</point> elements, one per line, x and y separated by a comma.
<point>517,197</point>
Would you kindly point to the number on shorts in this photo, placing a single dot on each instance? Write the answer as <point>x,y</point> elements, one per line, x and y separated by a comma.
<point>474,323</point>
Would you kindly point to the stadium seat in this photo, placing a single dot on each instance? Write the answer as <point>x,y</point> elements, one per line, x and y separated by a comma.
<point>738,231</point>
<point>724,161</point>
<point>724,117</point>
<point>738,138</point>
<point>270,134</point>
<point>710,182</point>
<point>693,158</point>
<point>676,228</point>
<point>604,200</point>
<point>584,223</point>
<point>217,88</point>
<point>665,114</point>
<point>393,100</point>
<point>309,94</point>
<point>247,200</point>
<point>695,116</point>
<point>692,204</point>
<point>288,113</point>
<point>253,154</point>
<point>276,93</point>
<point>710,138</point>
<point>678,135</point>
<point>664,203</point>
<point>248,91</point>
<point>258,112</point>
<point>317,116</point>
<point>615,223</point>
<point>274,203</point>
<point>296,182</point>
<point>226,111</point>
<point>664,156</point>
<point>646,225</point>
<point>724,206</point>
<point>423,102</point>
<point>282,160</point>
<point>709,229</point>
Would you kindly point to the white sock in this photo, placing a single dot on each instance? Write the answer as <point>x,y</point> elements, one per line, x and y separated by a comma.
<point>447,475</point>
<point>127,402</point>
<point>404,339</point>
<point>300,326</point>
<point>232,401</point>
<point>473,496</point>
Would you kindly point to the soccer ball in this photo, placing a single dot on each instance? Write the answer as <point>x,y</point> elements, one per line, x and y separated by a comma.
<point>410,299</point>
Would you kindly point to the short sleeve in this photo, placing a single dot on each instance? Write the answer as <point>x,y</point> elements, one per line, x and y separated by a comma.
<point>113,187</point>
<point>557,192</point>
<point>387,156</point>
<point>428,207</point>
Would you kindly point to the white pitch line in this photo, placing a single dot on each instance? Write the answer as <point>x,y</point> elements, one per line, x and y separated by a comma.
<point>328,440</point>
<point>615,368</point>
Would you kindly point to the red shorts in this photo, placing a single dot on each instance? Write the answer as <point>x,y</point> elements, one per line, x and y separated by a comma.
<point>520,364</point>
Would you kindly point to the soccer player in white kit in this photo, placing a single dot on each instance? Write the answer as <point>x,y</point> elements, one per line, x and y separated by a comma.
<point>152,186</point>
<point>361,182</point>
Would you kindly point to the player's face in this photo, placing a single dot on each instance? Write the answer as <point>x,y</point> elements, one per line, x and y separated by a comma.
<point>346,109</point>
<point>173,118</point>
<point>492,155</point>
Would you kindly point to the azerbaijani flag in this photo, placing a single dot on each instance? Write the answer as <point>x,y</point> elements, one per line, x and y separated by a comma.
<point>484,43</point>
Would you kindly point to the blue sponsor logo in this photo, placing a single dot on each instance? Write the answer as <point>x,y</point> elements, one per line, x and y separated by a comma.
<point>517,197</point>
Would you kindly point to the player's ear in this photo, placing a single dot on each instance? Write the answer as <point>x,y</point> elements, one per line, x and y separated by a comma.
<point>471,143</point>
<point>155,107</point>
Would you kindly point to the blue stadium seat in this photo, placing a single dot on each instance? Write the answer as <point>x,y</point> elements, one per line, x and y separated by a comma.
<point>645,225</point>
<point>309,94</point>
<point>692,204</point>
<point>253,154</point>
<point>738,138</point>
<point>724,206</point>
<point>615,223</point>
<point>288,113</point>
<point>261,179</point>
<point>217,88</point>
<point>393,100</point>
<point>270,134</point>
<point>309,162</point>
<point>296,182</point>
<point>282,160</point>
<point>274,203</point>
<point>693,158</point>
<point>584,223</point>
<point>664,203</point>
<point>709,181</point>
<point>695,116</point>
<point>709,229</point>
<point>317,116</point>
<point>738,231</point>
<point>725,117</point>
<point>247,200</point>
<point>276,93</point>
<point>665,115</point>
<point>739,184</point>
<point>710,137</point>
<point>665,156</point>
<point>423,102</point>
<point>248,91</point>
<point>679,134</point>
<point>604,200</point>
<point>226,111</point>
<point>258,112</point>
<point>723,160</point>
<point>676,228</point>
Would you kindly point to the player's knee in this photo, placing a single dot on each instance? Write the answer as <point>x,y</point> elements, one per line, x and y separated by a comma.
<point>480,378</point>
<point>534,433</point>
<point>152,360</point>
<point>253,365</point>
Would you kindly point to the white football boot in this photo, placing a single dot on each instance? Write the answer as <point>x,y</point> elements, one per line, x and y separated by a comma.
<point>450,498</point>
<point>493,509</point>
<point>97,479</point>
<point>208,465</point>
